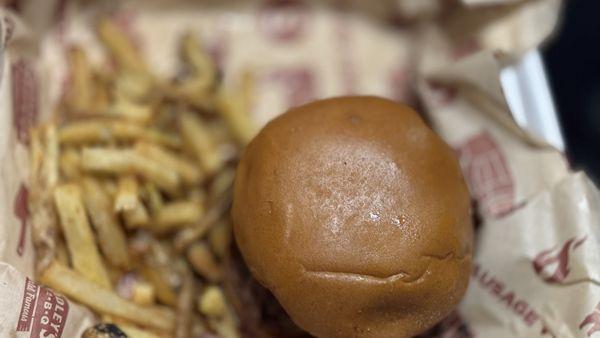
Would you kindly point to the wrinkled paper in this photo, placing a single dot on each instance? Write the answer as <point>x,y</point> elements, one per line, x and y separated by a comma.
<point>537,254</point>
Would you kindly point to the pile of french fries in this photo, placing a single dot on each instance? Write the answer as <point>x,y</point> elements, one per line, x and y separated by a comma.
<point>130,189</point>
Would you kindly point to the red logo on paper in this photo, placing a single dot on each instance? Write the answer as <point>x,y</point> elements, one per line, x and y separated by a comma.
<point>552,265</point>
<point>43,312</point>
<point>488,174</point>
<point>21,212</point>
<point>592,319</point>
<point>25,99</point>
<point>283,20</point>
<point>299,84</point>
<point>442,95</point>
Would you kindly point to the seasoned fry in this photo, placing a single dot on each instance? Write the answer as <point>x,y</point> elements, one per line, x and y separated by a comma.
<point>126,161</point>
<point>185,306</point>
<point>196,135</point>
<point>125,54</point>
<point>111,237</point>
<point>212,302</point>
<point>80,289</point>
<point>177,214</point>
<point>70,164</point>
<point>188,170</point>
<point>127,197</point>
<point>78,234</point>
<point>203,261</point>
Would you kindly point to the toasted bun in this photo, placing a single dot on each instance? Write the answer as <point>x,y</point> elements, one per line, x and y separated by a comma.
<point>356,216</point>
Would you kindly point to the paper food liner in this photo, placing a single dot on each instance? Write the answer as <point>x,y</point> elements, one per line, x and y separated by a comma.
<point>537,259</point>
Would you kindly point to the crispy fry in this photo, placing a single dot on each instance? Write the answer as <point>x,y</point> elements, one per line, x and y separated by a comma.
<point>81,90</point>
<point>203,261</point>
<point>222,184</point>
<point>78,235</point>
<point>136,217</point>
<point>203,68</point>
<point>196,135</point>
<point>212,302</point>
<point>70,164</point>
<point>162,289</point>
<point>111,237</point>
<point>235,111</point>
<point>127,197</point>
<point>80,289</point>
<point>129,110</point>
<point>40,199</point>
<point>152,197</point>
<point>126,161</point>
<point>185,306</point>
<point>50,162</point>
<point>115,40</point>
<point>62,255</point>
<point>106,130</point>
<point>187,236</point>
<point>133,86</point>
<point>188,170</point>
<point>178,213</point>
<point>143,293</point>
<point>219,238</point>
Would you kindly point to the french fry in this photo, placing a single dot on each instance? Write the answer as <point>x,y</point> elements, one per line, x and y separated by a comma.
<point>81,90</point>
<point>111,237</point>
<point>188,170</point>
<point>132,86</point>
<point>152,197</point>
<point>204,70</point>
<point>235,112</point>
<point>40,199</point>
<point>50,162</point>
<point>177,214</point>
<point>129,110</point>
<point>164,293</point>
<point>212,302</point>
<point>115,40</point>
<point>70,164</point>
<point>185,307</point>
<point>78,235</point>
<point>219,238</point>
<point>136,217</point>
<point>143,293</point>
<point>62,254</point>
<point>190,234</point>
<point>222,184</point>
<point>196,135</point>
<point>127,197</point>
<point>126,161</point>
<point>203,262</point>
<point>104,301</point>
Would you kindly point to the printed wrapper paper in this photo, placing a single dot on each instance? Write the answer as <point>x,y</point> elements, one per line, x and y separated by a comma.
<point>537,255</point>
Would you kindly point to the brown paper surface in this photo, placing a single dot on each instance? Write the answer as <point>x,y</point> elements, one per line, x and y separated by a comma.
<point>532,206</point>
